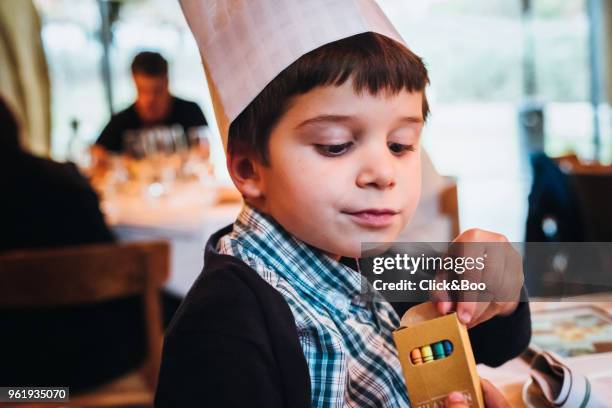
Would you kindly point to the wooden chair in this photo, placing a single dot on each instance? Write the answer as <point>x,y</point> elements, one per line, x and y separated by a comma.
<point>571,164</point>
<point>95,273</point>
<point>592,184</point>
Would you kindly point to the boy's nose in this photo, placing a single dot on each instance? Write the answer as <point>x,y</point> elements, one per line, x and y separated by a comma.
<point>377,171</point>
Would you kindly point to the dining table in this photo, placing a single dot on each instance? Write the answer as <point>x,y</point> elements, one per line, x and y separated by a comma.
<point>186,219</point>
<point>511,377</point>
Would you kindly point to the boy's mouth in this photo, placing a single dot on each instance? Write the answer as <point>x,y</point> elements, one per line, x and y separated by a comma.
<point>373,217</point>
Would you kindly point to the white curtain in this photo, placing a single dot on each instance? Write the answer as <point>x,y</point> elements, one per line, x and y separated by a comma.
<point>24,79</point>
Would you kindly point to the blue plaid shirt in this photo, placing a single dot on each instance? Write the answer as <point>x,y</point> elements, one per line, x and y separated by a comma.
<point>344,325</point>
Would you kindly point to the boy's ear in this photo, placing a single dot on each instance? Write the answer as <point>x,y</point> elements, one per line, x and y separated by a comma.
<point>244,171</point>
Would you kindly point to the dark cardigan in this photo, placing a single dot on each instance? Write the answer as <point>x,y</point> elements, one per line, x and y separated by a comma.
<point>234,343</point>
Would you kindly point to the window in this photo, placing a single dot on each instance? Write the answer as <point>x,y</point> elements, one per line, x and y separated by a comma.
<point>474,51</point>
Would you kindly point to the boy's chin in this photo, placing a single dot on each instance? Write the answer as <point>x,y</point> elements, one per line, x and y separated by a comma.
<point>358,249</point>
<point>355,243</point>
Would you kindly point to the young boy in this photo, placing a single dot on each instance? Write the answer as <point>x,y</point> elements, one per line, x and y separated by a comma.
<point>326,153</point>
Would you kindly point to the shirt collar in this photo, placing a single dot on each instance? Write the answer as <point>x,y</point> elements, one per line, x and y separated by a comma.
<point>307,268</point>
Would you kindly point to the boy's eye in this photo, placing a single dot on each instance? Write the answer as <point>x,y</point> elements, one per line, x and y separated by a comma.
<point>335,149</point>
<point>399,148</point>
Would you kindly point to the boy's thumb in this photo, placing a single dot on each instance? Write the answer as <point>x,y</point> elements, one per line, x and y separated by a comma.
<point>456,400</point>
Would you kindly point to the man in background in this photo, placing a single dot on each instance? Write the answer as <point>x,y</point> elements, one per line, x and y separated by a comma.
<point>154,105</point>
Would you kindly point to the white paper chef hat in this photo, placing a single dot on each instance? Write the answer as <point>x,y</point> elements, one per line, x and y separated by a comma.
<point>245,44</point>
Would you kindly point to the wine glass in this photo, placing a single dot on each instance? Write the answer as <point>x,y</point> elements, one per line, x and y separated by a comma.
<point>199,142</point>
<point>134,144</point>
<point>198,164</point>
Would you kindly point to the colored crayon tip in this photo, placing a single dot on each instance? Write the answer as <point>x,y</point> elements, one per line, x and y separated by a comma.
<point>438,350</point>
<point>448,347</point>
<point>426,353</point>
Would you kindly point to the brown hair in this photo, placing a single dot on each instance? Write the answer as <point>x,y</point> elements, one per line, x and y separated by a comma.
<point>149,63</point>
<point>372,61</point>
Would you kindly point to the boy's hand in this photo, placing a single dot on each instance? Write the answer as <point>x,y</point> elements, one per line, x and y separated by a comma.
<point>502,274</point>
<point>493,398</point>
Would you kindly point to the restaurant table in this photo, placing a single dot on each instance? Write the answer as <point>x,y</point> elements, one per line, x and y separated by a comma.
<point>511,377</point>
<point>186,218</point>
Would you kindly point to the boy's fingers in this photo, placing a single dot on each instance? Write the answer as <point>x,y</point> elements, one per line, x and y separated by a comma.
<point>441,298</point>
<point>484,311</point>
<point>456,400</point>
<point>465,311</point>
<point>492,396</point>
<point>489,310</point>
<point>444,307</point>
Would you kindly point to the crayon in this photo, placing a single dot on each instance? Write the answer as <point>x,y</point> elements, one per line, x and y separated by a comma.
<point>427,354</point>
<point>448,347</point>
<point>438,350</point>
<point>415,356</point>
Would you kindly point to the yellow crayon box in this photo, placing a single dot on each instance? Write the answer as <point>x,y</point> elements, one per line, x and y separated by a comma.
<point>436,358</point>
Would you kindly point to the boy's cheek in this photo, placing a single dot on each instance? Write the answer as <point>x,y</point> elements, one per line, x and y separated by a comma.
<point>410,208</point>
